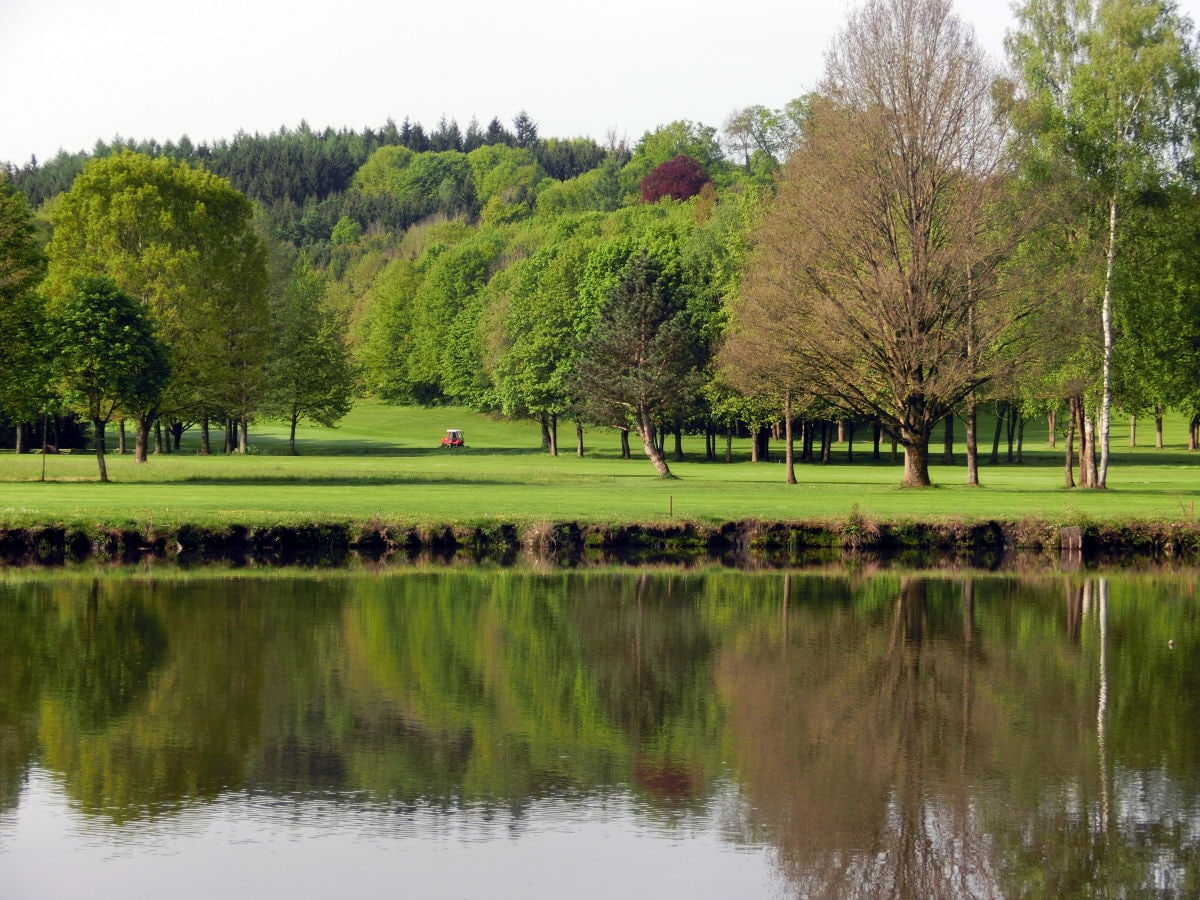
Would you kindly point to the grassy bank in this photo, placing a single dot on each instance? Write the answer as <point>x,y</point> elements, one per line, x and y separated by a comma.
<point>384,465</point>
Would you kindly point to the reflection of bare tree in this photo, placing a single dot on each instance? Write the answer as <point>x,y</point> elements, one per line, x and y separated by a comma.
<point>863,773</point>
<point>933,743</point>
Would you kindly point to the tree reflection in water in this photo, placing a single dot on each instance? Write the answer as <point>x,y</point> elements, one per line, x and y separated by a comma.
<point>889,736</point>
<point>903,753</point>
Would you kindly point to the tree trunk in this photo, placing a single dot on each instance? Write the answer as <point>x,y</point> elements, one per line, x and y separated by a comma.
<point>1158,431</point>
<point>948,441</point>
<point>625,453</point>
<point>98,430</point>
<point>205,437</point>
<point>1194,433</point>
<point>841,431</point>
<point>121,446</point>
<point>1093,472</point>
<point>850,441</point>
<point>1000,408</point>
<point>544,421</point>
<point>1082,431</point>
<point>293,419</point>
<point>1021,440</point>
<point>1133,431</point>
<point>578,438</point>
<point>20,439</point>
<point>650,444</point>
<point>1052,426</point>
<point>141,437</point>
<point>729,444</point>
<point>244,434</point>
<point>895,443</point>
<point>554,435</point>
<point>230,434</point>
<point>972,442</point>
<point>916,464</point>
<point>1069,449</point>
<point>876,437</point>
<point>158,447</point>
<point>678,456</point>
<point>1010,426</point>
<point>789,450</point>
<point>1107,326</point>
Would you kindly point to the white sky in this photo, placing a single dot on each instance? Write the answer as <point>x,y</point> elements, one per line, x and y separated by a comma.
<point>73,71</point>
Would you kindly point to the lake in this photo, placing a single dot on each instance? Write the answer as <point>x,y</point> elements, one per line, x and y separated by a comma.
<point>506,733</point>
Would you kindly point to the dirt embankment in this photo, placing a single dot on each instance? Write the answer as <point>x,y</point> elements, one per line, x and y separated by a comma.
<point>745,543</point>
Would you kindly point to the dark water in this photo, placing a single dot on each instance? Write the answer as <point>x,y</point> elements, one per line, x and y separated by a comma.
<point>500,734</point>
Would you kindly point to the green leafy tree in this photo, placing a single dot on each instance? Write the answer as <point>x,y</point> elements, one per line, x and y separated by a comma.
<point>680,138</point>
<point>182,241</point>
<point>309,374</point>
<point>1157,359</point>
<point>543,319</point>
<point>106,355</point>
<point>1110,90</point>
<point>642,358</point>
<point>23,358</point>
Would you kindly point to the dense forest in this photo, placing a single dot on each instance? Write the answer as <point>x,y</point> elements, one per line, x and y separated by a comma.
<point>915,238</point>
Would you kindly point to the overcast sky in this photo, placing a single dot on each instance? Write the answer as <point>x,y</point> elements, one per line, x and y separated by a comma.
<point>77,70</point>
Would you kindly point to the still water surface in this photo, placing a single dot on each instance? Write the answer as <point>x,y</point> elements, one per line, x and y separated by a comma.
<point>506,734</point>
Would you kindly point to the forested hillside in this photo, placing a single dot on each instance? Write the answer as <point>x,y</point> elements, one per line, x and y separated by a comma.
<point>917,237</point>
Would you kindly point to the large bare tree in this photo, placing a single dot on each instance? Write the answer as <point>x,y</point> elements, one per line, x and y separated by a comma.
<point>876,275</point>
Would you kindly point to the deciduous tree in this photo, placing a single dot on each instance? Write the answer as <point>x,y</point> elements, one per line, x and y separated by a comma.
<point>643,356</point>
<point>876,270</point>
<point>181,241</point>
<point>106,355</point>
<point>309,373</point>
<point>679,178</point>
<point>23,359</point>
<point>1109,89</point>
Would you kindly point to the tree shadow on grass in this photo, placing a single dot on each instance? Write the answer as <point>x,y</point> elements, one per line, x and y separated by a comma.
<point>271,446</point>
<point>371,480</point>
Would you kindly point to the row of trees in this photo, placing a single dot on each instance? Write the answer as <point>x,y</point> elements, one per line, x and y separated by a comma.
<point>303,178</point>
<point>919,234</point>
<point>941,228</point>
<point>154,308</point>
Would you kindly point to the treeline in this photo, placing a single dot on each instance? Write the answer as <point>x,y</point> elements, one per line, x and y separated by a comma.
<point>303,179</point>
<point>254,316</point>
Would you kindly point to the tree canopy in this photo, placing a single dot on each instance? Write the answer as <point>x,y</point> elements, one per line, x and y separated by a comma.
<point>106,355</point>
<point>876,270</point>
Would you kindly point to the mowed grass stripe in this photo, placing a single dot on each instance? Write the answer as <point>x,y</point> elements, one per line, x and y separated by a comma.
<point>384,463</point>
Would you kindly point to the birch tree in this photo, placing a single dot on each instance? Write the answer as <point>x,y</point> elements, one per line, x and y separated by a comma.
<point>1108,88</point>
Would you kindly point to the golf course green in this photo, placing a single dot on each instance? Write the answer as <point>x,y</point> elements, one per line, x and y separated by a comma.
<point>384,466</point>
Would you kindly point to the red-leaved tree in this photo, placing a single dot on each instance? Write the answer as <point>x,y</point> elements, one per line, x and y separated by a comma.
<point>679,178</point>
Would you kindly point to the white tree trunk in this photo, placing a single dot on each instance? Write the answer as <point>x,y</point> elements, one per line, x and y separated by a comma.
<point>1106,325</point>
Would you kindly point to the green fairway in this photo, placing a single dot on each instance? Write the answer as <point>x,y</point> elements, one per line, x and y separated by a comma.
<point>385,463</point>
